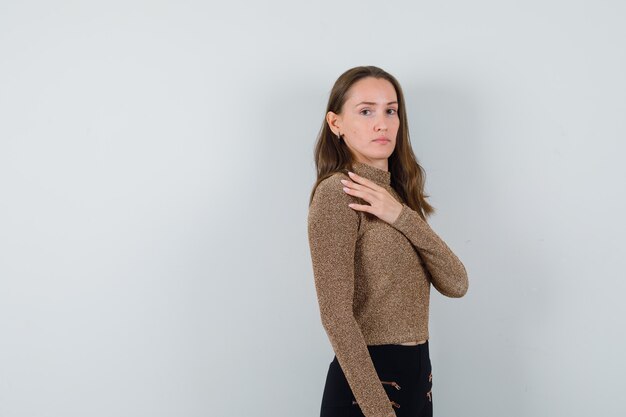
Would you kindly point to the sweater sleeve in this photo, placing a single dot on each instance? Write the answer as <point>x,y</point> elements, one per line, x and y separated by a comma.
<point>448,274</point>
<point>332,233</point>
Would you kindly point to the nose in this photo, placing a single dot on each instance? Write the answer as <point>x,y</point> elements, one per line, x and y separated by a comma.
<point>381,124</point>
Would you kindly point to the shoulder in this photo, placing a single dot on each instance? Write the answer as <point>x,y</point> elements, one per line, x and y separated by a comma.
<point>329,197</point>
<point>332,187</point>
<point>329,208</point>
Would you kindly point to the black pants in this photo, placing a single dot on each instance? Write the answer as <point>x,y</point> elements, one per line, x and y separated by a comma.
<point>405,366</point>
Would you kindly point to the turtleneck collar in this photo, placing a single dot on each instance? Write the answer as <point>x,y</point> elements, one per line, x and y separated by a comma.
<point>379,176</point>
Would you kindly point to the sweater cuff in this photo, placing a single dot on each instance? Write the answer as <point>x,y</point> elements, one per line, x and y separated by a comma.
<point>406,219</point>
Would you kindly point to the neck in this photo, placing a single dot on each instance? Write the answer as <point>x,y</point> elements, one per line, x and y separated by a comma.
<point>380,176</point>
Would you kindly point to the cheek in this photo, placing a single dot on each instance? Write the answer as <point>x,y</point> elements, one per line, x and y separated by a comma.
<point>357,129</point>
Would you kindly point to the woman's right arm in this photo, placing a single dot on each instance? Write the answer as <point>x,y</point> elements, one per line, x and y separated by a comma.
<point>332,233</point>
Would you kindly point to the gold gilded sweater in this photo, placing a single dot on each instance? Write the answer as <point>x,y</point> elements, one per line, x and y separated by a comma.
<point>372,279</point>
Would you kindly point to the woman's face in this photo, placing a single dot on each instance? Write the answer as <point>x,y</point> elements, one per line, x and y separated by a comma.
<point>369,113</point>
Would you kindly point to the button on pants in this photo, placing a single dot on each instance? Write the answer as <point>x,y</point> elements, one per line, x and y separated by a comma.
<point>405,373</point>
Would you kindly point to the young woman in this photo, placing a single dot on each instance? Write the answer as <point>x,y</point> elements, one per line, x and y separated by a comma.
<point>374,255</point>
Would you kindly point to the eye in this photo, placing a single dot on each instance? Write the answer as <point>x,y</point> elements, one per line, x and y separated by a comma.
<point>361,112</point>
<point>393,111</point>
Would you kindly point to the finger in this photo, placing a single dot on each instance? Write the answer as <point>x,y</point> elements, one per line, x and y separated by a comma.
<point>360,207</point>
<point>354,185</point>
<point>363,180</point>
<point>362,193</point>
<point>363,188</point>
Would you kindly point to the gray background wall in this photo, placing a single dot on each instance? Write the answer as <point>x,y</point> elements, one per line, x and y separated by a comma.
<point>155,169</point>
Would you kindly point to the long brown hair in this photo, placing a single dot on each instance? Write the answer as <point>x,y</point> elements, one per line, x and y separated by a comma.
<point>332,155</point>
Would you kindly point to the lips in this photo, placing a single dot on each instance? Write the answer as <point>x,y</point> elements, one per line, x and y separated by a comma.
<point>381,140</point>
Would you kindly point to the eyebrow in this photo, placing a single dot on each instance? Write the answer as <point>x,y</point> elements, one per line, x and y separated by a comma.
<point>372,103</point>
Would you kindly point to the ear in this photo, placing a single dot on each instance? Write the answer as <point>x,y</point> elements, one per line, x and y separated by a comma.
<point>334,122</point>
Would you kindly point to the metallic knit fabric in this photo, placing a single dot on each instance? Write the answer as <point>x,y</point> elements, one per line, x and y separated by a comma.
<point>372,279</point>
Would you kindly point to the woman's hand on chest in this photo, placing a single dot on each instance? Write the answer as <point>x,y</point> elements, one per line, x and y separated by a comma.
<point>381,203</point>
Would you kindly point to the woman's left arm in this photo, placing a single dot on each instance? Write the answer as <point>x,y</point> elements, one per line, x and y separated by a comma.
<point>448,274</point>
